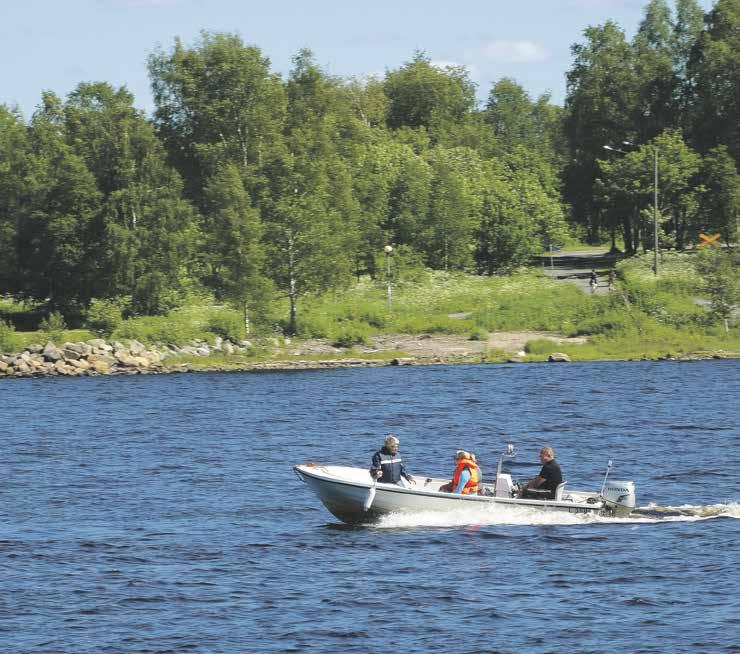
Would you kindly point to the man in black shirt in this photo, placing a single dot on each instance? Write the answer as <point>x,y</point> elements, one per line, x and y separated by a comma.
<point>549,478</point>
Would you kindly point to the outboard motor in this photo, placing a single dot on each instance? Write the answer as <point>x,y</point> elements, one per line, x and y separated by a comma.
<point>619,496</point>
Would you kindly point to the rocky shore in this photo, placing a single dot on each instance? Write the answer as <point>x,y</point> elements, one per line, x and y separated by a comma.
<point>101,357</point>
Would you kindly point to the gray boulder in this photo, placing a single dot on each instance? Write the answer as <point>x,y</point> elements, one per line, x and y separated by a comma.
<point>96,342</point>
<point>52,353</point>
<point>71,354</point>
<point>136,348</point>
<point>101,367</point>
<point>558,357</point>
<point>108,359</point>
<point>79,348</point>
<point>125,359</point>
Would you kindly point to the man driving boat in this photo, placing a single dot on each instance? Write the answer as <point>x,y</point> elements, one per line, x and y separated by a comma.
<point>549,478</point>
<point>388,466</point>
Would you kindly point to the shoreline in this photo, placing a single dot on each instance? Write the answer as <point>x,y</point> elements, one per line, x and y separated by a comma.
<point>100,358</point>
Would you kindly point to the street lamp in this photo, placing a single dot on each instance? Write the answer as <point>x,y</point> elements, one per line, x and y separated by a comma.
<point>388,249</point>
<point>655,200</point>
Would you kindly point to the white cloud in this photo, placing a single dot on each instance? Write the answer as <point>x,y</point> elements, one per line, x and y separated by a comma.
<point>517,52</point>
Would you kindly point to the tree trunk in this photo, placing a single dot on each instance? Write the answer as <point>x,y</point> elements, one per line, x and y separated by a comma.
<point>246,319</point>
<point>292,326</point>
<point>627,236</point>
<point>292,293</point>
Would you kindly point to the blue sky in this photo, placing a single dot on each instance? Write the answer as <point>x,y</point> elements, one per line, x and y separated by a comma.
<point>54,45</point>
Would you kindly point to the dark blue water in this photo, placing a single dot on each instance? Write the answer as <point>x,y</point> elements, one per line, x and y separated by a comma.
<point>160,513</point>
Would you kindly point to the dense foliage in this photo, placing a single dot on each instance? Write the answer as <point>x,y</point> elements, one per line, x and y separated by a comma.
<point>672,90</point>
<point>250,186</point>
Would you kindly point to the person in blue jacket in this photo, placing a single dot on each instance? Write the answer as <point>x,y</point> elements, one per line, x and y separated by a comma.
<point>388,466</point>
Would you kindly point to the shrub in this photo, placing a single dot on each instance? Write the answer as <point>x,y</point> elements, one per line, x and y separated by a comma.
<point>227,324</point>
<point>53,327</point>
<point>351,333</point>
<point>479,334</point>
<point>540,346</point>
<point>104,316</point>
<point>314,326</point>
<point>160,329</point>
<point>8,342</point>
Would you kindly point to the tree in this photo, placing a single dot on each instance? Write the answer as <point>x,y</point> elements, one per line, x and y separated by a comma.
<point>504,238</point>
<point>627,190</point>
<point>520,213</point>
<point>720,281</point>
<point>141,241</point>
<point>656,107</point>
<point>715,70</point>
<point>454,209</point>
<point>422,95</point>
<point>233,236</point>
<point>14,171</point>
<point>601,95</point>
<point>306,247</point>
<point>687,28</point>
<point>217,102</point>
<point>721,199</point>
<point>55,223</point>
<point>309,211</point>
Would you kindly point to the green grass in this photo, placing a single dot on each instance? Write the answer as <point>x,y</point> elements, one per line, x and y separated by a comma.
<point>646,316</point>
<point>522,301</point>
<point>183,325</point>
<point>661,341</point>
<point>24,339</point>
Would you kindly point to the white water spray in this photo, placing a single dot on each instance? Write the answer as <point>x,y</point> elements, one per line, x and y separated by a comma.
<point>495,515</point>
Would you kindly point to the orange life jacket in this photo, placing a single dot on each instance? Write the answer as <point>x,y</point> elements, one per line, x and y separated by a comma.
<point>472,485</point>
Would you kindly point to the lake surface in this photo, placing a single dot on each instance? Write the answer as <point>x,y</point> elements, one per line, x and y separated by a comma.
<point>161,514</point>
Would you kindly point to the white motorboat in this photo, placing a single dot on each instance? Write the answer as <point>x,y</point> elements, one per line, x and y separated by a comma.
<point>352,495</point>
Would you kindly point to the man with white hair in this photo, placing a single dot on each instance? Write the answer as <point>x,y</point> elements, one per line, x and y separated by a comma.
<point>388,467</point>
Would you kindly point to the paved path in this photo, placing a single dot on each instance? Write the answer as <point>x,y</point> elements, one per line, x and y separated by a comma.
<point>575,267</point>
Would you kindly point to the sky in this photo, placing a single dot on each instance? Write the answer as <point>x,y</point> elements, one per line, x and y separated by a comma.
<point>56,44</point>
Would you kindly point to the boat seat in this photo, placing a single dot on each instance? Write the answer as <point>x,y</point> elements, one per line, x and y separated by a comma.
<point>559,491</point>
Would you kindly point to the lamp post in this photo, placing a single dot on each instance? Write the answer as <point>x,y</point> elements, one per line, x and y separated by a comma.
<point>655,211</point>
<point>655,200</point>
<point>388,249</point>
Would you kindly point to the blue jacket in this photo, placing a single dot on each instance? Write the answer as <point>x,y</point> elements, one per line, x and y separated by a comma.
<point>391,465</point>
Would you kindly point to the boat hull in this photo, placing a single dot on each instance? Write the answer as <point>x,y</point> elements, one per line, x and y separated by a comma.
<point>350,495</point>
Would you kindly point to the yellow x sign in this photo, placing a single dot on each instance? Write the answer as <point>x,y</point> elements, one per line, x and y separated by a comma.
<point>708,240</point>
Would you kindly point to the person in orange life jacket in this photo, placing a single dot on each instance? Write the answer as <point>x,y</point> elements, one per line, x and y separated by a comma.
<point>550,475</point>
<point>466,477</point>
<point>474,459</point>
<point>388,466</point>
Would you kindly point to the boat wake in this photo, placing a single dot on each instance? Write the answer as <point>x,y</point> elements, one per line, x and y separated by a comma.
<point>479,516</point>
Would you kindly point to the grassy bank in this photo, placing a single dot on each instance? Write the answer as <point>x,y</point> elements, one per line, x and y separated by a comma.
<point>644,316</point>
